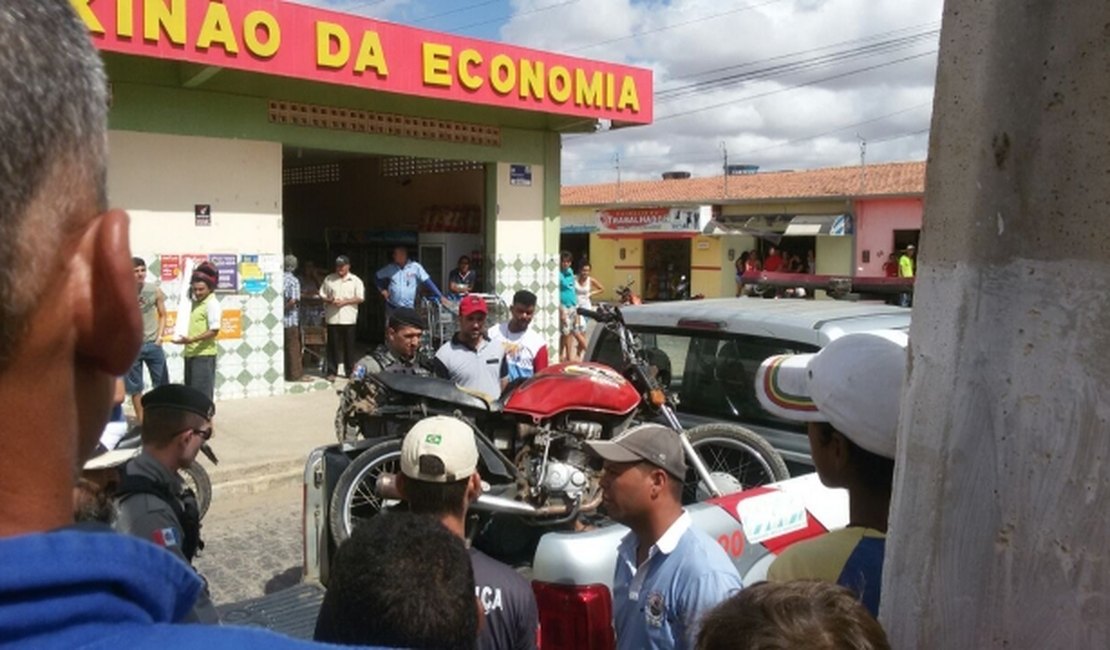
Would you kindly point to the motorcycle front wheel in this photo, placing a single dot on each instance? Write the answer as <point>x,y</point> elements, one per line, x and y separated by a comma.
<point>355,499</point>
<point>737,458</point>
<point>196,477</point>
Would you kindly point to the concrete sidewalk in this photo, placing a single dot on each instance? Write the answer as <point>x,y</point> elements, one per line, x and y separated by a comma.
<point>264,441</point>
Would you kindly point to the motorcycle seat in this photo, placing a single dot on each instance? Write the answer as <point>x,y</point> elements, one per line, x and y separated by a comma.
<point>433,388</point>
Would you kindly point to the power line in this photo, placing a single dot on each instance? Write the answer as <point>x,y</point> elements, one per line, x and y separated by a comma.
<point>805,84</point>
<point>675,25</point>
<point>501,18</point>
<point>872,37</point>
<point>804,65</point>
<point>457,10</point>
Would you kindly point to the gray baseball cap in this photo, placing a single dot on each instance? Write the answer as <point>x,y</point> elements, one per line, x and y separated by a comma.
<point>651,443</point>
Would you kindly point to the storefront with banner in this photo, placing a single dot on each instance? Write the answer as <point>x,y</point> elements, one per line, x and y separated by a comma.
<point>246,129</point>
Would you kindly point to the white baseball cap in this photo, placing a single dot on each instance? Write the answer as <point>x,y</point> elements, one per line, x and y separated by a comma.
<point>439,449</point>
<point>854,383</point>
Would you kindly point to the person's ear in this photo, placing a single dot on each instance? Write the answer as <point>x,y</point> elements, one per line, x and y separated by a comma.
<point>838,450</point>
<point>474,488</point>
<point>658,480</point>
<point>109,328</point>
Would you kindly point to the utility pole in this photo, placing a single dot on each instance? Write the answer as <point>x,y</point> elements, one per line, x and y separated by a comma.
<point>862,165</point>
<point>724,165</point>
<point>617,165</point>
<point>1000,518</point>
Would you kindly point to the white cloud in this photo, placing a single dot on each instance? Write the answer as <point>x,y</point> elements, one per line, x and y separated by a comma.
<point>770,121</point>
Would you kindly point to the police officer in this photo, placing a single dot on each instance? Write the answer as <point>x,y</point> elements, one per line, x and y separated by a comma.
<point>152,501</point>
<point>400,353</point>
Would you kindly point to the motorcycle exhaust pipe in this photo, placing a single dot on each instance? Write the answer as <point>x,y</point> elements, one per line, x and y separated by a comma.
<point>386,488</point>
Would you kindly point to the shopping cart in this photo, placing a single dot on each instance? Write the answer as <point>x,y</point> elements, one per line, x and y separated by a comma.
<point>443,319</point>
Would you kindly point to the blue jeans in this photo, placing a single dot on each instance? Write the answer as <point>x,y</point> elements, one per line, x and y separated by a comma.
<point>155,359</point>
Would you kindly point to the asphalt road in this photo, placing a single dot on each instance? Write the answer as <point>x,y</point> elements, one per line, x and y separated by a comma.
<point>252,544</point>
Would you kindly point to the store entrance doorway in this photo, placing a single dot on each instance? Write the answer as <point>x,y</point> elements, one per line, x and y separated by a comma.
<point>666,262</point>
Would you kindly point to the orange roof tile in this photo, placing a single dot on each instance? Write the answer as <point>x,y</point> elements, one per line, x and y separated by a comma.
<point>887,179</point>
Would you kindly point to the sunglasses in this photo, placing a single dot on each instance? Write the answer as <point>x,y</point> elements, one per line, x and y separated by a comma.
<point>205,434</point>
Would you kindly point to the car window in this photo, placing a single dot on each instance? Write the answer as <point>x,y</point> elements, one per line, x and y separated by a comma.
<point>712,374</point>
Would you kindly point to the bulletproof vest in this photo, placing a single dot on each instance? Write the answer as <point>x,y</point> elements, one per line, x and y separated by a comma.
<point>390,363</point>
<point>184,507</point>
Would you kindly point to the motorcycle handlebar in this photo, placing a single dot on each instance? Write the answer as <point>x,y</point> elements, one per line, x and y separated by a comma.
<point>595,315</point>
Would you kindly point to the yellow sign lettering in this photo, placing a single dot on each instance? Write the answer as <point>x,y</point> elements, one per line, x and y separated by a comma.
<point>502,74</point>
<point>629,97</point>
<point>158,16</point>
<point>558,84</point>
<point>327,36</point>
<point>261,21</point>
<point>610,91</point>
<point>85,12</point>
<point>125,18</point>
<point>587,93</point>
<point>216,29</point>
<point>531,79</point>
<point>437,64</point>
<point>370,55</point>
<point>467,60</point>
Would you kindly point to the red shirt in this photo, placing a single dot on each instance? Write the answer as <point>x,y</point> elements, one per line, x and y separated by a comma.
<point>772,263</point>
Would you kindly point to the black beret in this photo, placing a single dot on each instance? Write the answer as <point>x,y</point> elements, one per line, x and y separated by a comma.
<point>180,397</point>
<point>403,316</point>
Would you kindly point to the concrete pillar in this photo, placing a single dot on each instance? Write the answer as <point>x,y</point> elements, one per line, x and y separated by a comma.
<point>1000,528</point>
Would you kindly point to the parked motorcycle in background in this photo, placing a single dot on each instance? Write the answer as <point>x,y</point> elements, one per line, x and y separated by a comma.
<point>626,295</point>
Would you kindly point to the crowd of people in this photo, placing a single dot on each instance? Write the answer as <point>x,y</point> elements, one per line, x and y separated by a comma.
<point>406,579</point>
<point>775,261</point>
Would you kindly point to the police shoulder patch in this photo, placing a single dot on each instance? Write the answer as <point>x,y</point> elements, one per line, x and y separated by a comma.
<point>165,537</point>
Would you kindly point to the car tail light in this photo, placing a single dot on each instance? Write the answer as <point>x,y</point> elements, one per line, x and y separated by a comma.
<point>574,617</point>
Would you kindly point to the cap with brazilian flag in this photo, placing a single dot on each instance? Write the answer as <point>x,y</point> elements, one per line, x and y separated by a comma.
<point>439,449</point>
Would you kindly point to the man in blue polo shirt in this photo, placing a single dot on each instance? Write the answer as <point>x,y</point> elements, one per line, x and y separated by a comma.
<point>668,573</point>
<point>398,281</point>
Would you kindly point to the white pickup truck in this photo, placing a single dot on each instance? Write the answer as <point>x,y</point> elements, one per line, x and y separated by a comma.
<point>712,347</point>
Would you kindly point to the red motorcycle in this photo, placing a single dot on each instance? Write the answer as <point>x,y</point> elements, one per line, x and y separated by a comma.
<point>532,442</point>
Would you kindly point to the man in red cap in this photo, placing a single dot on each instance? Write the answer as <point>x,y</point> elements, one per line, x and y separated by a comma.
<point>469,359</point>
<point>204,326</point>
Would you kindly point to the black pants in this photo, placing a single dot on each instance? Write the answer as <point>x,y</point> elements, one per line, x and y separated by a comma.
<point>200,373</point>
<point>341,348</point>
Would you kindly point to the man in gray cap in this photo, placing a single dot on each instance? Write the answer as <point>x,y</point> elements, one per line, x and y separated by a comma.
<point>669,574</point>
<point>153,502</point>
<point>342,293</point>
<point>294,366</point>
<point>400,353</point>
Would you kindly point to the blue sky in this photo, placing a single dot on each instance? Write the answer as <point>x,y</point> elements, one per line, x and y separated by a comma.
<point>783,84</point>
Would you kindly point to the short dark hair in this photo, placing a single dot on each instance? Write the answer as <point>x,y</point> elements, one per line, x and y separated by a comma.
<point>161,425</point>
<point>874,472</point>
<point>401,581</point>
<point>138,261</point>
<point>566,256</point>
<point>464,258</point>
<point>436,499</point>
<point>524,298</point>
<point>53,166</point>
<point>808,614</point>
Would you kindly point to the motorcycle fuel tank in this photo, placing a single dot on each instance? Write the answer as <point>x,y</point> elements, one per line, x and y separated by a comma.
<point>581,386</point>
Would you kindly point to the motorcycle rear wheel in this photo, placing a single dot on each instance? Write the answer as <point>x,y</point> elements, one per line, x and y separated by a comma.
<point>354,499</point>
<point>730,451</point>
<point>196,477</point>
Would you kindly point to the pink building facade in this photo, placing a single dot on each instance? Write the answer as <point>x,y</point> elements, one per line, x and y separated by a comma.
<point>884,225</point>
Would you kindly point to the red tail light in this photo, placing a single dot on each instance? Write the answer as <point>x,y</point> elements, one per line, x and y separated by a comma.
<point>574,617</point>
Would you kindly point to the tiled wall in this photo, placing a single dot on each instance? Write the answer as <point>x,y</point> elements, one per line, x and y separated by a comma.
<point>538,274</point>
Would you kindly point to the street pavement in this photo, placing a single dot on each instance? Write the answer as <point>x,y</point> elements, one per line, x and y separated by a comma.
<point>262,441</point>
<point>252,544</point>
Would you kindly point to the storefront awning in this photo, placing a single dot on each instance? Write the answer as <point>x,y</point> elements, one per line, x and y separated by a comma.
<point>812,225</point>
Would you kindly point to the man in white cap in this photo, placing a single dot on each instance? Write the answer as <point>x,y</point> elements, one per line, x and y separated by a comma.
<point>668,574</point>
<point>848,394</point>
<point>439,477</point>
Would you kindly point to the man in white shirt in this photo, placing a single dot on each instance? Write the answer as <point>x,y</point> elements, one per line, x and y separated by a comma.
<point>341,293</point>
<point>525,349</point>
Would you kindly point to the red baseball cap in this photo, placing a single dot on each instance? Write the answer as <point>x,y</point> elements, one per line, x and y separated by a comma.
<point>471,304</point>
